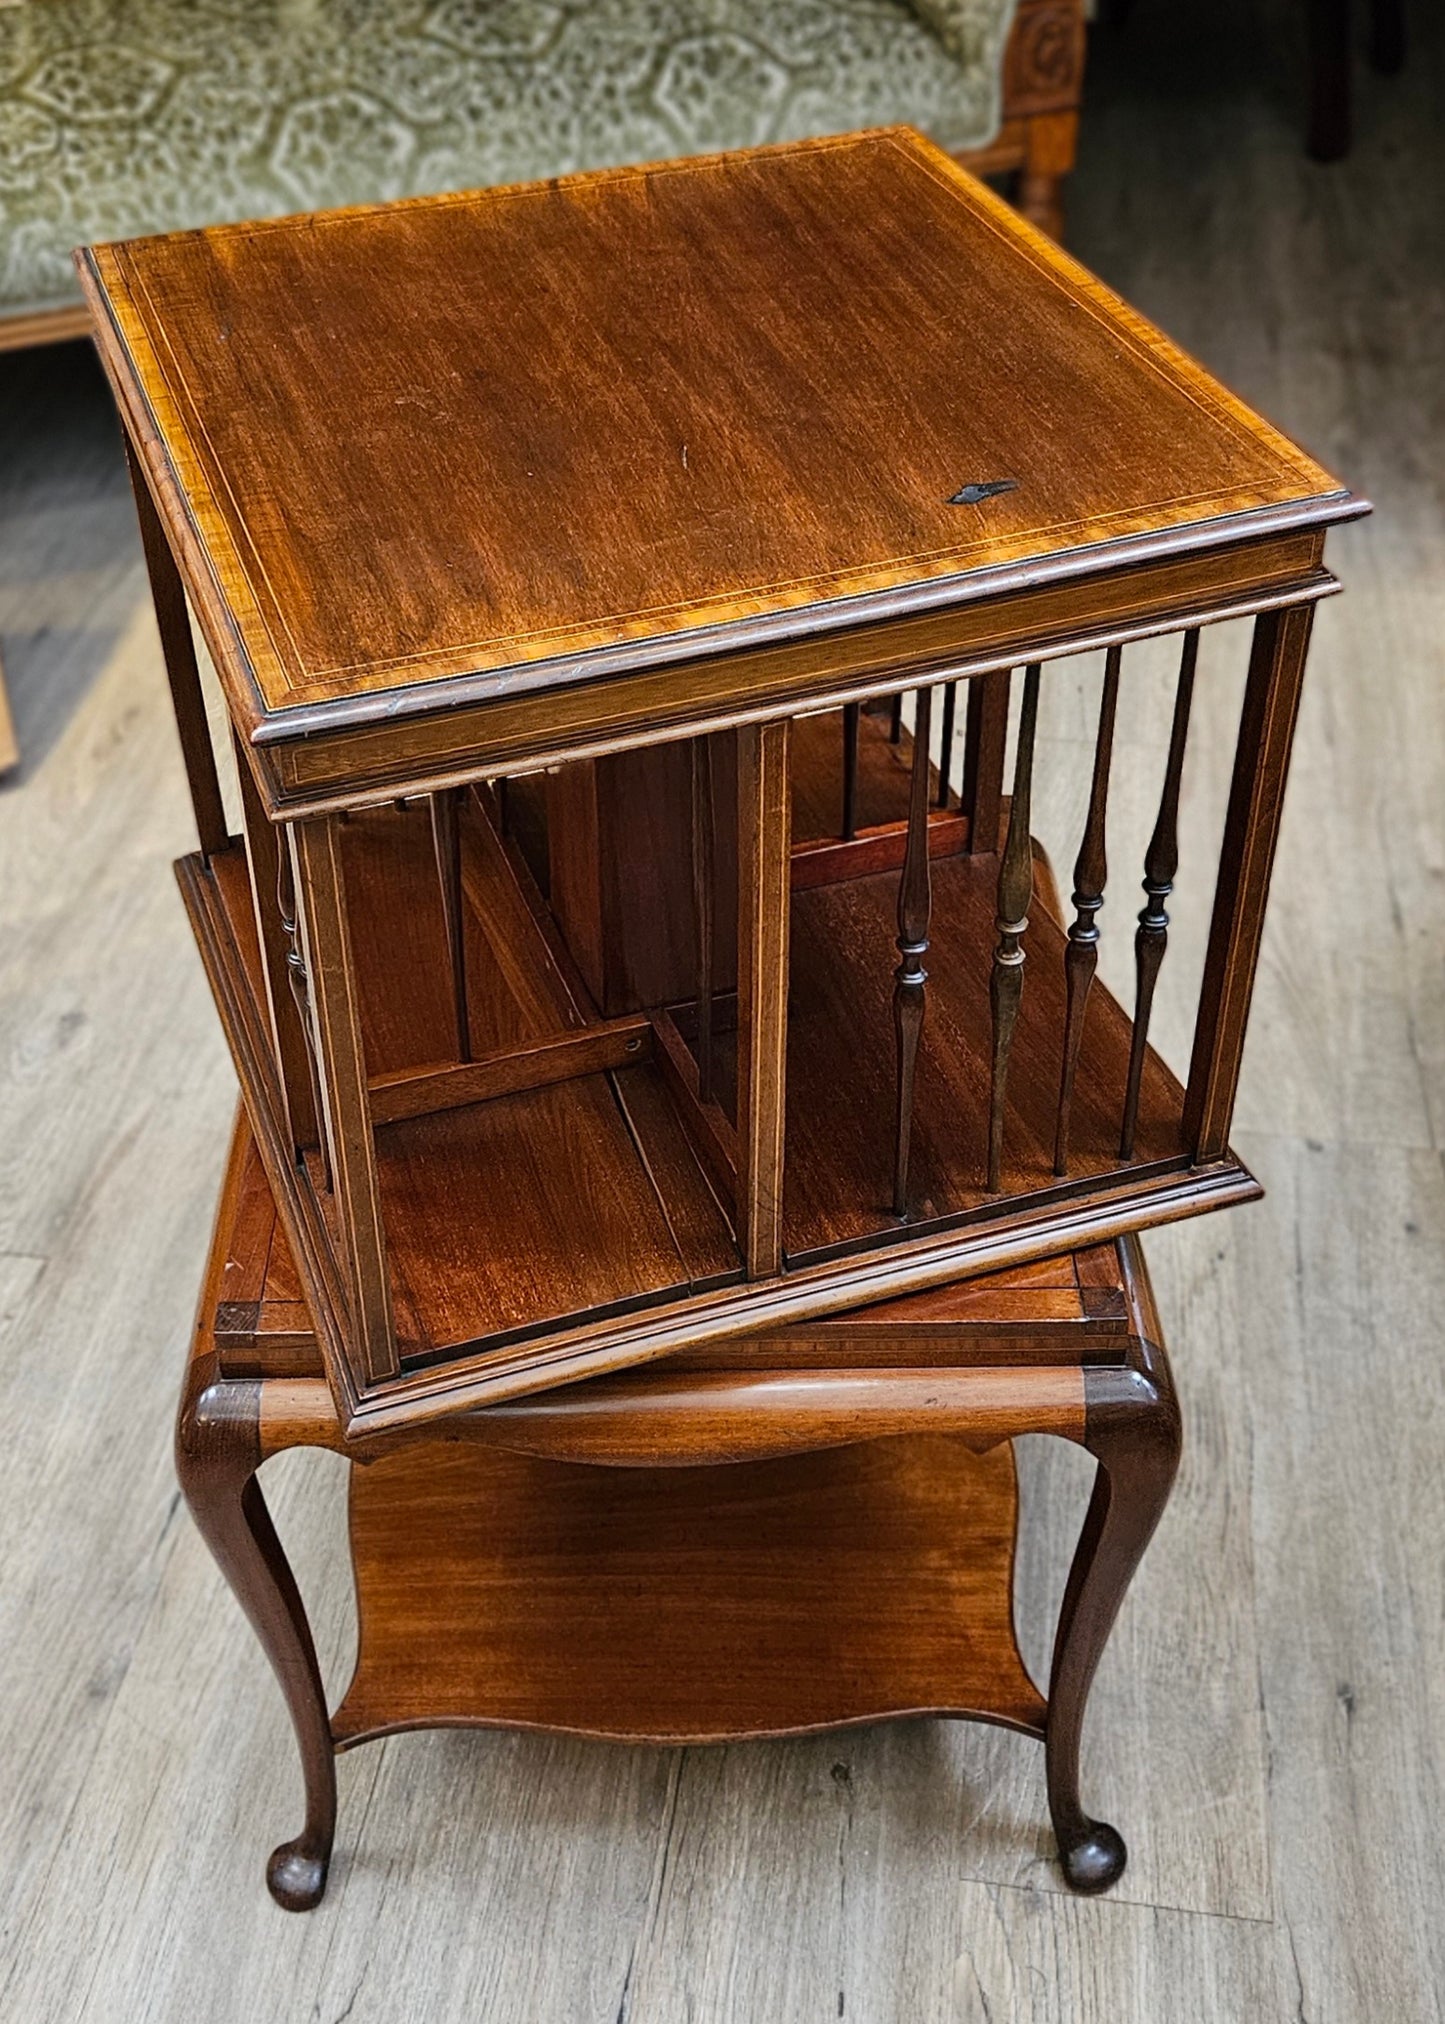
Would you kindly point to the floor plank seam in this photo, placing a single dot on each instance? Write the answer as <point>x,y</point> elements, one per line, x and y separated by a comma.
<point>657,1886</point>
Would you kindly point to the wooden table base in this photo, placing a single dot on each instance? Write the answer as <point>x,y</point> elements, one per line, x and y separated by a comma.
<point>686,1605</point>
<point>685,1554</point>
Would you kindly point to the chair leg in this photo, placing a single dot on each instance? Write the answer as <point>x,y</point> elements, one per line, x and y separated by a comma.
<point>1329,58</point>
<point>217,1455</point>
<point>1051,144</point>
<point>1132,1429</point>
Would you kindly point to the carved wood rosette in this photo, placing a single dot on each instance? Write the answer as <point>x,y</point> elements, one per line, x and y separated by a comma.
<point>1044,63</point>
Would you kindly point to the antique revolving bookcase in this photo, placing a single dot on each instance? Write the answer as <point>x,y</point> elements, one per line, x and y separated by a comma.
<point>617,986</point>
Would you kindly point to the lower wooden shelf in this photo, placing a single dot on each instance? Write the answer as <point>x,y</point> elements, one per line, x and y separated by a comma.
<point>699,1551</point>
<point>685,1605</point>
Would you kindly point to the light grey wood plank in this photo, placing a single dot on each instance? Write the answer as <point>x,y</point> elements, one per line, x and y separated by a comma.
<point>1329,1300</point>
<point>781,1899</point>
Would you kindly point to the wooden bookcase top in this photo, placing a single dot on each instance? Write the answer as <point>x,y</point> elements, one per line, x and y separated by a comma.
<point>438,452</point>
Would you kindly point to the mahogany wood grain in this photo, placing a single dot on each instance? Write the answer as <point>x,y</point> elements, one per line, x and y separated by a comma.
<point>453,593</point>
<point>848,827</point>
<point>704,879</point>
<point>1133,1428</point>
<point>1068,1310</point>
<point>446,841</point>
<point>261,1315</point>
<point>508,1214</point>
<point>331,971</point>
<point>580,1561</point>
<point>873,850</point>
<point>708,1419</point>
<point>766,1598</point>
<point>518,995</point>
<point>269,866</point>
<point>698,1211</point>
<point>611,1043</point>
<point>711,1130</point>
<point>764,911</point>
<point>714,684</point>
<point>837,1178</point>
<point>295,1091</point>
<point>915,905</point>
<point>882,768</point>
<point>345,311</point>
<point>621,869</point>
<point>1251,832</point>
<point>217,1452</point>
<point>985,739</point>
<point>221,914</point>
<point>507,815</point>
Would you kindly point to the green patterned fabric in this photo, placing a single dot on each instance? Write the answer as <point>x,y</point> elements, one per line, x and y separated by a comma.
<point>120,117</point>
<point>962,26</point>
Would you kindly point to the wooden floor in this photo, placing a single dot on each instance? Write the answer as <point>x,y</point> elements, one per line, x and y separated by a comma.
<point>1269,1726</point>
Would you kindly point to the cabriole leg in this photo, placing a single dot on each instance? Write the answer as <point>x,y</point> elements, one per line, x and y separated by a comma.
<point>1132,1429</point>
<point>217,1454</point>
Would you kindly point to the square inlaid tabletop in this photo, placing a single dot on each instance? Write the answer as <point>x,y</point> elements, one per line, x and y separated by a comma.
<point>486,438</point>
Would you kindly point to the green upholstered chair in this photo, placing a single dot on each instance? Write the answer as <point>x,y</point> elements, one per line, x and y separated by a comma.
<point>120,117</point>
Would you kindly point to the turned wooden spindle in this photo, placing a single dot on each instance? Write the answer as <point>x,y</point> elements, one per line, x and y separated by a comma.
<point>851,713</point>
<point>702,898</point>
<point>945,748</point>
<point>446,806</point>
<point>300,990</point>
<point>1091,870</point>
<point>1161,862</point>
<point>915,906</point>
<point>1015,893</point>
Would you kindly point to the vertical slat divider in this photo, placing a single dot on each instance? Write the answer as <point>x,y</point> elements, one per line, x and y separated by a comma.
<point>1251,832</point>
<point>178,648</point>
<point>446,805</point>
<point>1091,871</point>
<point>275,916</point>
<point>945,749</point>
<point>915,907</point>
<point>300,989</point>
<point>1161,862</point>
<point>985,741</point>
<point>851,717</point>
<point>764,843</point>
<point>1015,892</point>
<point>895,719</point>
<point>702,895</point>
<point>345,1099</point>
